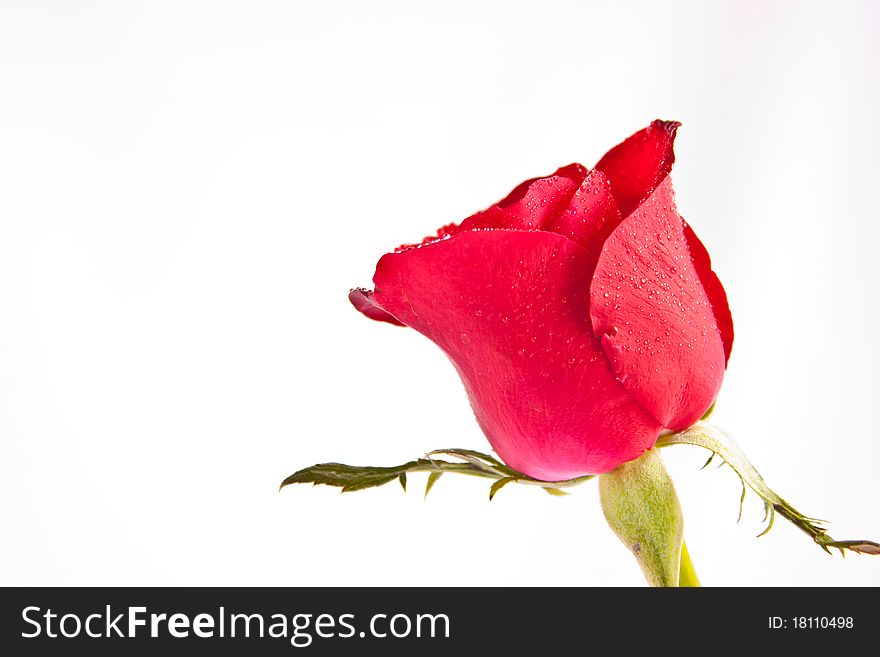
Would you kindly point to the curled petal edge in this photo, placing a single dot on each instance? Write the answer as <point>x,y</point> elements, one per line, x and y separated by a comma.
<point>361,299</point>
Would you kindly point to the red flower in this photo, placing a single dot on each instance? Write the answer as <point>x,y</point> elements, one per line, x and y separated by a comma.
<point>581,312</point>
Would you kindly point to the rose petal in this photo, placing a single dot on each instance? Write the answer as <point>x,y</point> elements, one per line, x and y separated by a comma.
<point>363,300</point>
<point>531,203</point>
<point>442,233</point>
<point>573,202</point>
<point>510,309</point>
<point>656,323</point>
<point>638,165</point>
<point>712,286</point>
<point>591,215</point>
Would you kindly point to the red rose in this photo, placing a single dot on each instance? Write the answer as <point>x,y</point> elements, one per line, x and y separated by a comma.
<point>581,312</point>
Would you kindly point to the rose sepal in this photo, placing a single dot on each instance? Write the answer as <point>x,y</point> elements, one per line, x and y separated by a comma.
<point>720,443</point>
<point>471,462</point>
<point>641,507</point>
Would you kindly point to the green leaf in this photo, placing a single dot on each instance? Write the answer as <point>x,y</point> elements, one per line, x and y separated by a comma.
<point>557,492</point>
<point>432,479</point>
<point>349,477</point>
<point>498,485</point>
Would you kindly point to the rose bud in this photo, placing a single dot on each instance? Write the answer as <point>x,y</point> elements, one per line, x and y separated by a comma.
<point>581,312</point>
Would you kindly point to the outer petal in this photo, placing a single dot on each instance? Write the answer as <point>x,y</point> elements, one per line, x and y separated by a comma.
<point>712,286</point>
<point>510,309</point>
<point>572,202</point>
<point>638,165</point>
<point>531,203</point>
<point>655,320</point>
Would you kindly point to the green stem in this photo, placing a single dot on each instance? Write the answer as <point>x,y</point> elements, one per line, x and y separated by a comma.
<point>687,576</point>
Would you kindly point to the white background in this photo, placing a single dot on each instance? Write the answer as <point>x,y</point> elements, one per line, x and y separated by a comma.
<point>188,190</point>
